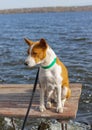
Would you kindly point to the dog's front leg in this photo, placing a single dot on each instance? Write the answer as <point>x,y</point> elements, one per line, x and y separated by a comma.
<point>49,94</point>
<point>59,103</point>
<point>42,106</point>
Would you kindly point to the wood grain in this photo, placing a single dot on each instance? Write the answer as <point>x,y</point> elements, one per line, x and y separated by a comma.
<point>14,100</point>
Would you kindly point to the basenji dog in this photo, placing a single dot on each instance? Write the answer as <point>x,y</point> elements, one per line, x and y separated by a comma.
<point>53,75</point>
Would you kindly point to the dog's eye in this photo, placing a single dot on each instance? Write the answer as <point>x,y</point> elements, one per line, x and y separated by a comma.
<point>34,53</point>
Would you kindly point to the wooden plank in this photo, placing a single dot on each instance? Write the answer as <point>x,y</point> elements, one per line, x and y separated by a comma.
<point>14,100</point>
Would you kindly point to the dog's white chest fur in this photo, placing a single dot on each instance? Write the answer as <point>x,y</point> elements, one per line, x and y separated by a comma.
<point>51,77</point>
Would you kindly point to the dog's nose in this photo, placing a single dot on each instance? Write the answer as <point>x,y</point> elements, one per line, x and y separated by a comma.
<point>26,63</point>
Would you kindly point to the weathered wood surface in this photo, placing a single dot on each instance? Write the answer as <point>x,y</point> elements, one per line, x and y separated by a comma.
<point>14,100</point>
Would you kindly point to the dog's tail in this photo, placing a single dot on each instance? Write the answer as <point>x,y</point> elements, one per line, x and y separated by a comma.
<point>66,92</point>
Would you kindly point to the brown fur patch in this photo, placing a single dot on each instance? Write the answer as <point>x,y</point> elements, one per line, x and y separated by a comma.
<point>39,52</point>
<point>29,42</point>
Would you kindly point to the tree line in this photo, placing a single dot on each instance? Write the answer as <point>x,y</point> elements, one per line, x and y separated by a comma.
<point>46,9</point>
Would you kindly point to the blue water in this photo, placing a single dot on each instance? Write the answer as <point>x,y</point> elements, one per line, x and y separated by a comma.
<point>68,33</point>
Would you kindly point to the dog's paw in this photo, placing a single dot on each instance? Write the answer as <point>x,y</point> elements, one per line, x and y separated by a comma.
<point>63,102</point>
<point>59,109</point>
<point>48,105</point>
<point>42,108</point>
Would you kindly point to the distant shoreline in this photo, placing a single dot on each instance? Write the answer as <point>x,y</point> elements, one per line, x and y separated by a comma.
<point>46,9</point>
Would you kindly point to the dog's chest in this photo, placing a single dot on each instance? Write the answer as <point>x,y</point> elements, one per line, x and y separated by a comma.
<point>51,77</point>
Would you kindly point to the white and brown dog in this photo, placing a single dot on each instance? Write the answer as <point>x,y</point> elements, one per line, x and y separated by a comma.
<point>53,75</point>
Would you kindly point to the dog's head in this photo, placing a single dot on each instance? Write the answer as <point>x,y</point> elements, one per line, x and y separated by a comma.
<point>36,52</point>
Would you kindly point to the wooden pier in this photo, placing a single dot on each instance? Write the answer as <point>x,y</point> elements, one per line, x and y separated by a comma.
<point>14,100</point>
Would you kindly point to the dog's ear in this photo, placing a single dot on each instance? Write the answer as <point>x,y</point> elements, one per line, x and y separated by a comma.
<point>29,42</point>
<point>43,43</point>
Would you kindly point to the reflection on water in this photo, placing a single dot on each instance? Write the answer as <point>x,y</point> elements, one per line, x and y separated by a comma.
<point>69,34</point>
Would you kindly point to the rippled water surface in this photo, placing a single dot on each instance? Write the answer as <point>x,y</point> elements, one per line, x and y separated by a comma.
<point>68,33</point>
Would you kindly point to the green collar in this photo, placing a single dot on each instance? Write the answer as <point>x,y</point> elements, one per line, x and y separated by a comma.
<point>49,66</point>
